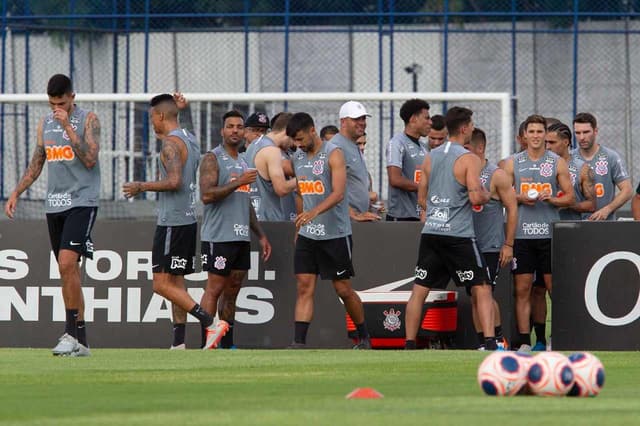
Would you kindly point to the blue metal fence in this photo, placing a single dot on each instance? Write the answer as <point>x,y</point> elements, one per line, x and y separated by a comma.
<point>555,57</point>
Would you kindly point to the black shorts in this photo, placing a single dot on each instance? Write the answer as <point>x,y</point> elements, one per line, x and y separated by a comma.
<point>222,258</point>
<point>174,249</point>
<point>329,258</point>
<point>531,255</point>
<point>390,218</point>
<point>492,260</point>
<point>71,230</point>
<point>538,279</point>
<point>441,258</point>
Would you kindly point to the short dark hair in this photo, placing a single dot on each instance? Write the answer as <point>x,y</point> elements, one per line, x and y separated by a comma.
<point>232,113</point>
<point>479,137</point>
<point>522,128</point>
<point>535,119</point>
<point>456,118</point>
<point>299,121</point>
<point>159,99</point>
<point>438,123</point>
<point>586,117</point>
<point>562,130</point>
<point>280,122</point>
<point>330,129</point>
<point>59,85</point>
<point>411,108</point>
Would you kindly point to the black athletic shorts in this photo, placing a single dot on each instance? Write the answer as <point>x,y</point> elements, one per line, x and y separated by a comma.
<point>174,249</point>
<point>538,279</point>
<point>329,258</point>
<point>441,258</point>
<point>71,230</point>
<point>531,255</point>
<point>222,258</point>
<point>492,260</point>
<point>390,218</point>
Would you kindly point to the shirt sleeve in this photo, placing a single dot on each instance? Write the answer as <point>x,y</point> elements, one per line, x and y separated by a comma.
<point>395,152</point>
<point>618,170</point>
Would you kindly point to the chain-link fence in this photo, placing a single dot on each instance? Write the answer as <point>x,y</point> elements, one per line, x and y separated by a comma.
<point>555,57</point>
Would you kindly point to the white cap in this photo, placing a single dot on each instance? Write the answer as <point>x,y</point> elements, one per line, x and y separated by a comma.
<point>353,109</point>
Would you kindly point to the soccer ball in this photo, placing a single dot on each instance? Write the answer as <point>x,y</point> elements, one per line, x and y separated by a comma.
<point>526,360</point>
<point>550,374</point>
<point>589,374</point>
<point>501,374</point>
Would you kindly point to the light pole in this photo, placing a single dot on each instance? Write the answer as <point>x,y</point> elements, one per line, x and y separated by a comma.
<point>414,69</point>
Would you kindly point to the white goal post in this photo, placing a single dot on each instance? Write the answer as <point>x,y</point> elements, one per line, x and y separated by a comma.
<point>129,151</point>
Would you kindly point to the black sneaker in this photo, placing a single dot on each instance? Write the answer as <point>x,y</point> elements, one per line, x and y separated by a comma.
<point>296,345</point>
<point>363,344</point>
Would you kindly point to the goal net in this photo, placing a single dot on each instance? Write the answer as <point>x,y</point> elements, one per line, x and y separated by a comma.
<point>129,149</point>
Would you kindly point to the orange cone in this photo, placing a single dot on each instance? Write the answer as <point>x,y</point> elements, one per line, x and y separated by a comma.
<point>364,393</point>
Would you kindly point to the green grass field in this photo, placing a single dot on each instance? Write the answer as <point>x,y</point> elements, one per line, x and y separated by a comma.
<point>117,386</point>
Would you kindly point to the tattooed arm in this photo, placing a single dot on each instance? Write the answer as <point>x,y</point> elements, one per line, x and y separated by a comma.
<point>87,147</point>
<point>173,156</point>
<point>30,175</point>
<point>210,192</point>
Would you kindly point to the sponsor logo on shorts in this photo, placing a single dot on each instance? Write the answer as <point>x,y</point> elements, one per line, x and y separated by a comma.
<point>204,258</point>
<point>391,320</point>
<point>514,263</point>
<point>241,230</point>
<point>535,228</point>
<point>602,167</point>
<point>220,263</point>
<point>464,275</point>
<point>88,246</point>
<point>178,262</point>
<point>59,199</point>
<point>421,274</point>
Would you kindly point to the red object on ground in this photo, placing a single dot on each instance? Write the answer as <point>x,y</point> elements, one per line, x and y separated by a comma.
<point>364,393</point>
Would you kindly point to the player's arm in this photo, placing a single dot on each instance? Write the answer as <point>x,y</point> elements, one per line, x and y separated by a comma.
<point>184,111</point>
<point>587,187</point>
<point>635,204</point>
<point>257,229</point>
<point>30,175</point>
<point>338,184</point>
<point>478,195</point>
<point>568,197</point>
<point>210,192</point>
<point>507,196</point>
<point>273,158</point>
<point>287,168</point>
<point>173,155</point>
<point>398,180</point>
<point>625,192</point>
<point>85,148</point>
<point>423,185</point>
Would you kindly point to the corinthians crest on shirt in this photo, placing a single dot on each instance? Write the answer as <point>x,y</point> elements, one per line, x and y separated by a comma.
<point>391,320</point>
<point>601,166</point>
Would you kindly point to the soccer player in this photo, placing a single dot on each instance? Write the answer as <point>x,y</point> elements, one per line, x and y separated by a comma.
<point>327,132</point>
<point>353,122</point>
<point>449,186</point>
<point>256,126</point>
<point>607,165</point>
<point>490,229</point>
<point>405,156</point>
<point>228,215</point>
<point>68,139</point>
<point>438,132</point>
<point>265,155</point>
<point>174,242</point>
<point>323,244</point>
<point>558,140</point>
<point>635,204</point>
<point>538,176</point>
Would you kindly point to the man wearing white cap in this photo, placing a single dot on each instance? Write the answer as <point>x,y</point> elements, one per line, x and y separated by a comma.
<point>353,123</point>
